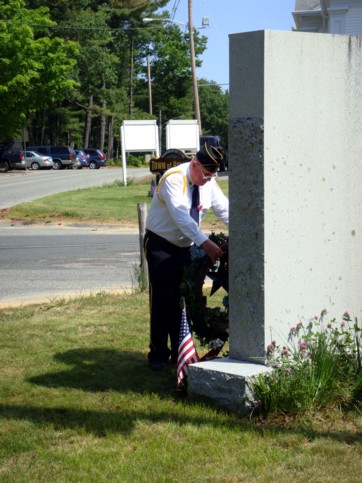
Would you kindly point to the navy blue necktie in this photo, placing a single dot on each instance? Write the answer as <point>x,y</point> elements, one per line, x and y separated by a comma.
<point>195,202</point>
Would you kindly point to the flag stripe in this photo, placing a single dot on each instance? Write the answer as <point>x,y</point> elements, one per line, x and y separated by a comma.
<point>187,348</point>
<point>186,352</point>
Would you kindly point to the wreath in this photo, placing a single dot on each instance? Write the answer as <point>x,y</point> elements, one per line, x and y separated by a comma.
<point>210,325</point>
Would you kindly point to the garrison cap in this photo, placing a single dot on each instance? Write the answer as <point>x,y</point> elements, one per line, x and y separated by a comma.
<point>209,157</point>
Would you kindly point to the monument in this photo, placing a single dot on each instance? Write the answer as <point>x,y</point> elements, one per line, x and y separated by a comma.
<point>295,171</point>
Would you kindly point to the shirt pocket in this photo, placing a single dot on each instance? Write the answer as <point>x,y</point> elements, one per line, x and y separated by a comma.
<point>205,203</point>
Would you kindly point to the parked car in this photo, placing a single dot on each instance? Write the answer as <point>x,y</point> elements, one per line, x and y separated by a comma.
<point>216,142</point>
<point>83,159</point>
<point>97,158</point>
<point>36,160</point>
<point>11,156</point>
<point>63,156</point>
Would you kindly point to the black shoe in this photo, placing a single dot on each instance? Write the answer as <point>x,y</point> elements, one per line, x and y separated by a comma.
<point>158,366</point>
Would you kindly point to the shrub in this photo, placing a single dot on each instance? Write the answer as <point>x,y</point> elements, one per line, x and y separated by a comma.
<point>114,162</point>
<point>135,160</point>
<point>318,366</point>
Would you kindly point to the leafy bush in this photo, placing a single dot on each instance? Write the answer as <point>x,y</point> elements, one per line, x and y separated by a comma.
<point>319,366</point>
<point>135,160</point>
<point>114,162</point>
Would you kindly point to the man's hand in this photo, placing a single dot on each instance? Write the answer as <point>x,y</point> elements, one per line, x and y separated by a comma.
<point>212,250</point>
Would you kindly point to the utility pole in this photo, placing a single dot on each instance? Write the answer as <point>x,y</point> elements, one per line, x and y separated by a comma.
<point>130,107</point>
<point>193,68</point>
<point>149,84</point>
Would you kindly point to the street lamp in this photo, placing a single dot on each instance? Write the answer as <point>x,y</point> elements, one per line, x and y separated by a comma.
<point>150,19</point>
<point>192,59</point>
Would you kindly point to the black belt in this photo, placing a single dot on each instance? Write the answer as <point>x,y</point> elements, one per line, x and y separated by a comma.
<point>153,236</point>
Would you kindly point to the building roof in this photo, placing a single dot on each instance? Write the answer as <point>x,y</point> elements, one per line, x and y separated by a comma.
<point>308,16</point>
<point>303,5</point>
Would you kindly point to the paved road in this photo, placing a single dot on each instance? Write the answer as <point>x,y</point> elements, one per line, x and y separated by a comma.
<point>40,262</point>
<point>18,186</point>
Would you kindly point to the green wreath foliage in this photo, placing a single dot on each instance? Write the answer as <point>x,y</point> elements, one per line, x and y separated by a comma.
<point>208,324</point>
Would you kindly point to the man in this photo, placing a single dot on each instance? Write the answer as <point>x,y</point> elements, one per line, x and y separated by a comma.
<point>181,199</point>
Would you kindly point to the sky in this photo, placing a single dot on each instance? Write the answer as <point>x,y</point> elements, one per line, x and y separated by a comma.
<point>229,17</point>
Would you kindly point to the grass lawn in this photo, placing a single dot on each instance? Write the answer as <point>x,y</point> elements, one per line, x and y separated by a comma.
<point>79,403</point>
<point>110,203</point>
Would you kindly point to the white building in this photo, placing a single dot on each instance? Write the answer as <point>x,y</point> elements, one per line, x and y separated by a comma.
<point>329,16</point>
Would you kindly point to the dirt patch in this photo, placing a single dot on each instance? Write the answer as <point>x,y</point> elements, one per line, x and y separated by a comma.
<point>215,226</point>
<point>69,223</point>
<point>4,212</point>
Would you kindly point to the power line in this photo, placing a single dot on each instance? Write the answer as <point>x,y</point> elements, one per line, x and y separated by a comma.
<point>211,85</point>
<point>174,8</point>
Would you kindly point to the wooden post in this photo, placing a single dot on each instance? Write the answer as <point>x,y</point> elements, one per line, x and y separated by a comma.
<point>142,215</point>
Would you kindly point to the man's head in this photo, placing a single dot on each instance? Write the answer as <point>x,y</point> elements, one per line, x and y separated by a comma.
<point>205,164</point>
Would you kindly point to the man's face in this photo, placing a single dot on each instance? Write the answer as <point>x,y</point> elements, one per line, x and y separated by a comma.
<point>200,175</point>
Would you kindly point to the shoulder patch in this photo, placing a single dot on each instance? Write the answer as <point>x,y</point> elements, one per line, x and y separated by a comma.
<point>173,180</point>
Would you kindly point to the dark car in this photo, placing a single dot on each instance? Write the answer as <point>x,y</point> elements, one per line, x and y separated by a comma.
<point>216,142</point>
<point>11,156</point>
<point>97,158</point>
<point>83,159</point>
<point>63,156</point>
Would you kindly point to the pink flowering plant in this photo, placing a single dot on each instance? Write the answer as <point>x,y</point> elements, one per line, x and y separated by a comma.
<point>319,365</point>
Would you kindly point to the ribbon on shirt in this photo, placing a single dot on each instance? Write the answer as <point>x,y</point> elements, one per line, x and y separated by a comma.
<point>195,202</point>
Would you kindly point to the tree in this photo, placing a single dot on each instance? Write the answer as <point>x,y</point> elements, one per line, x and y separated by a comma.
<point>133,35</point>
<point>169,53</point>
<point>35,70</point>
<point>111,35</point>
<point>103,74</point>
<point>97,69</point>
<point>214,107</point>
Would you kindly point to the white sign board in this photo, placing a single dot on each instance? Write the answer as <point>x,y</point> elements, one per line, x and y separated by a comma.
<point>183,135</point>
<point>139,136</point>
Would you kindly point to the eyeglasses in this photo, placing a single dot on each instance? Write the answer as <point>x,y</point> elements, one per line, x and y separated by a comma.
<point>204,176</point>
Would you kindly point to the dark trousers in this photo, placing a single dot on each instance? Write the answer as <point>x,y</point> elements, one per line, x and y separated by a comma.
<point>166,263</point>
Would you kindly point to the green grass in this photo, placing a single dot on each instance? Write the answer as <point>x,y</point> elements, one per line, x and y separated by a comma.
<point>111,203</point>
<point>79,403</point>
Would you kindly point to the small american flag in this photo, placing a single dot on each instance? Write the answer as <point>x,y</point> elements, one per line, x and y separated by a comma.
<point>186,350</point>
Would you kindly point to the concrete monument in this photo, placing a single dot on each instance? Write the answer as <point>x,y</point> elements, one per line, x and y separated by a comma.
<point>295,158</point>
